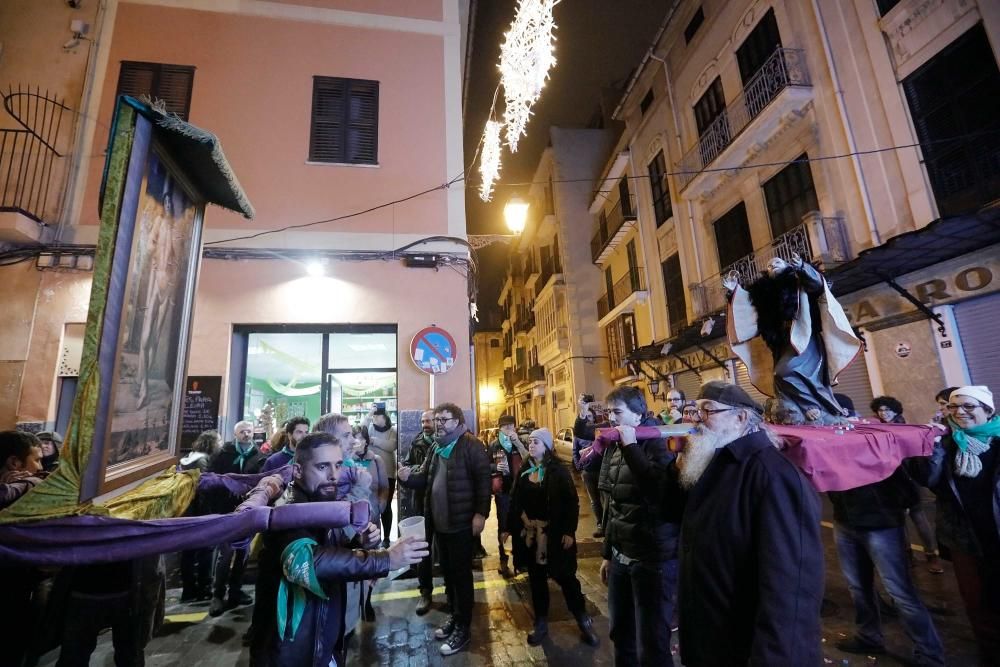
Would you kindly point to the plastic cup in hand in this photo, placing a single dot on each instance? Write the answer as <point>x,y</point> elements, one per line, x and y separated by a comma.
<point>413,526</point>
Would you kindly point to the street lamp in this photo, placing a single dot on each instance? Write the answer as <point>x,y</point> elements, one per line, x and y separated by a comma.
<point>515,212</point>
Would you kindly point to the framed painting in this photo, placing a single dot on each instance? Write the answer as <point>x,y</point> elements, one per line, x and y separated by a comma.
<point>143,347</point>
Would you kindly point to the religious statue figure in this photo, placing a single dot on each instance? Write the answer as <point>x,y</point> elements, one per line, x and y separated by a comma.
<point>793,336</point>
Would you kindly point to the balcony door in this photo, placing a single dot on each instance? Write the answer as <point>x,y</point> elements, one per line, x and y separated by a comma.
<point>758,46</point>
<point>732,236</point>
<point>789,195</point>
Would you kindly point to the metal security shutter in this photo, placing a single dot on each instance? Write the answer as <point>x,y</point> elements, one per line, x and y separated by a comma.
<point>977,327</point>
<point>689,382</point>
<point>854,383</point>
<point>743,380</point>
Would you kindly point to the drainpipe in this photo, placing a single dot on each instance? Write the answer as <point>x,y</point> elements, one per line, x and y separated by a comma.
<point>680,150</point>
<point>846,122</point>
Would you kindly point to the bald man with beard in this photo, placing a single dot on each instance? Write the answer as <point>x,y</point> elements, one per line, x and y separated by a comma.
<point>751,558</point>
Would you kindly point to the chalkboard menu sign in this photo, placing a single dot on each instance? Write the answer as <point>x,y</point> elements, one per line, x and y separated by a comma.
<point>201,407</point>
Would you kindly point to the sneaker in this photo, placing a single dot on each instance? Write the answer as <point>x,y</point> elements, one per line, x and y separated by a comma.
<point>480,553</point>
<point>859,646</point>
<point>504,570</point>
<point>445,630</point>
<point>458,641</point>
<point>217,607</point>
<point>586,625</point>
<point>539,633</point>
<point>424,605</point>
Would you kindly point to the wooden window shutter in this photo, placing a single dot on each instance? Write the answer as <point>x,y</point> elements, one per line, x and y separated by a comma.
<point>344,121</point>
<point>170,83</point>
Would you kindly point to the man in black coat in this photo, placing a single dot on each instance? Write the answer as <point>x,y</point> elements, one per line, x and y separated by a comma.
<point>455,479</point>
<point>419,449</point>
<point>751,558</point>
<point>640,544</point>
<point>240,455</point>
<point>505,455</point>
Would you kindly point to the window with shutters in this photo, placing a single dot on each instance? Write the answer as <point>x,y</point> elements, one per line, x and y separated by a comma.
<point>621,340</point>
<point>172,84</point>
<point>955,103</point>
<point>658,189</point>
<point>344,126</point>
<point>693,25</point>
<point>758,46</point>
<point>732,234</point>
<point>790,194</point>
<point>673,284</point>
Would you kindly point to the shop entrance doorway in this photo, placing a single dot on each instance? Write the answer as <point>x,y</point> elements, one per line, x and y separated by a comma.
<point>291,371</point>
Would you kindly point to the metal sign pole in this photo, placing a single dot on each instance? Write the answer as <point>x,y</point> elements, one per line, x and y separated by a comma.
<point>430,380</point>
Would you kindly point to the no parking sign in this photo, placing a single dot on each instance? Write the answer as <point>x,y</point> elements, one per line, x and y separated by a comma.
<point>433,350</point>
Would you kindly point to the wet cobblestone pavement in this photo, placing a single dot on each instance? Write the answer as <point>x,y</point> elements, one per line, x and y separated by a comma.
<point>502,617</point>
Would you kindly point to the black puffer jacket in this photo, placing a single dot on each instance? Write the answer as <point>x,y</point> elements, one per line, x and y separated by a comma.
<point>634,522</point>
<point>877,506</point>
<point>468,482</point>
<point>224,461</point>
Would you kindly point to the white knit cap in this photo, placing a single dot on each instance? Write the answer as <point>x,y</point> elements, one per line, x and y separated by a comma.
<point>545,435</point>
<point>980,392</point>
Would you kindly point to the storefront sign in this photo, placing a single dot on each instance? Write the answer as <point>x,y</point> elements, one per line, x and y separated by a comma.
<point>974,275</point>
<point>433,350</point>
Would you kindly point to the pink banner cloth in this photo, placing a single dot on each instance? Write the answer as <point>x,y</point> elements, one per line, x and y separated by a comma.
<point>836,459</point>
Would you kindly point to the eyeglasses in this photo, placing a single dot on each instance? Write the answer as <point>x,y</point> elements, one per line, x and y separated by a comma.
<point>690,413</point>
<point>965,407</point>
<point>706,412</point>
<point>443,420</point>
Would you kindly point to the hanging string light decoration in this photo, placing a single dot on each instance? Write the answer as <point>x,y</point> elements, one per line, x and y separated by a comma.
<point>489,164</point>
<point>526,56</point>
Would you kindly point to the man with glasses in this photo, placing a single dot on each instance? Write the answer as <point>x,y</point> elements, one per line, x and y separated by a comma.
<point>455,481</point>
<point>672,412</point>
<point>751,566</point>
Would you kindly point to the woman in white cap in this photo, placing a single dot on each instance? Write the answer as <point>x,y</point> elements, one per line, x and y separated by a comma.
<point>543,515</point>
<point>964,473</point>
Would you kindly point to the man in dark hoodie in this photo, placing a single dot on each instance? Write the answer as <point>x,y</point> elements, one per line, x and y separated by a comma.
<point>455,479</point>
<point>640,545</point>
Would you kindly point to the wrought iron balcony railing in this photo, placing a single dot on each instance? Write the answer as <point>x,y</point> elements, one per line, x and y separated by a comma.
<point>536,373</point>
<point>630,283</point>
<point>783,69</point>
<point>611,224</point>
<point>819,240</point>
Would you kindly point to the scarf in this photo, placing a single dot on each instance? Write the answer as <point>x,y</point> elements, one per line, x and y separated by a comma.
<point>289,452</point>
<point>505,442</point>
<point>428,439</point>
<point>243,454</point>
<point>451,437</point>
<point>298,575</point>
<point>972,443</point>
<point>382,429</point>
<point>537,467</point>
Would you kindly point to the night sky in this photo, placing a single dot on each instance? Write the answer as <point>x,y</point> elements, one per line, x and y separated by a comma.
<point>598,43</point>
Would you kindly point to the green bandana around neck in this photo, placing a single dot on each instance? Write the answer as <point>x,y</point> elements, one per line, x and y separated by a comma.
<point>243,454</point>
<point>505,442</point>
<point>537,467</point>
<point>445,452</point>
<point>286,450</point>
<point>428,439</point>
<point>983,432</point>
<point>299,575</point>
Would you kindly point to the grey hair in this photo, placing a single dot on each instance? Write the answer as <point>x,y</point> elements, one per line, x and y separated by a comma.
<point>328,422</point>
<point>755,422</point>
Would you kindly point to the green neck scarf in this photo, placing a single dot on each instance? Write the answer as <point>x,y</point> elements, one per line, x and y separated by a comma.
<point>428,439</point>
<point>286,450</point>
<point>505,442</point>
<point>445,452</point>
<point>299,575</point>
<point>243,454</point>
<point>536,467</point>
<point>982,432</point>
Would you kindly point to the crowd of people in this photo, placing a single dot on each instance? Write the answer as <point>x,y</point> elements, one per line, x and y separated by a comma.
<point>714,534</point>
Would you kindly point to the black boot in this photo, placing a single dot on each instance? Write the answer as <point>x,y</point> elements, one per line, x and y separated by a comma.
<point>541,631</point>
<point>424,605</point>
<point>586,625</point>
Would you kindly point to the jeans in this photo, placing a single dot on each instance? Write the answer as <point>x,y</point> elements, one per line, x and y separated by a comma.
<point>538,579</point>
<point>590,483</point>
<point>455,553</point>
<point>861,554</point>
<point>502,501</point>
<point>387,513</point>
<point>229,566</point>
<point>640,604</point>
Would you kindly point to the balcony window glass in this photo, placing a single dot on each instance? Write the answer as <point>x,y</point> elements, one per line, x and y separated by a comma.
<point>646,102</point>
<point>790,194</point>
<point>709,106</point>
<point>625,197</point>
<point>693,25</point>
<point>662,208</point>
<point>732,234</point>
<point>758,46</point>
<point>621,341</point>
<point>885,6</point>
<point>957,94</point>
<point>673,284</point>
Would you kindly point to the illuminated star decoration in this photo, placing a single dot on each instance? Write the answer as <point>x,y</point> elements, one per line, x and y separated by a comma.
<point>489,165</point>
<point>526,56</point>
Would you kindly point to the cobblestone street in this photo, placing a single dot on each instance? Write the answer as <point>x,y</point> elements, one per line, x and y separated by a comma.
<point>503,616</point>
